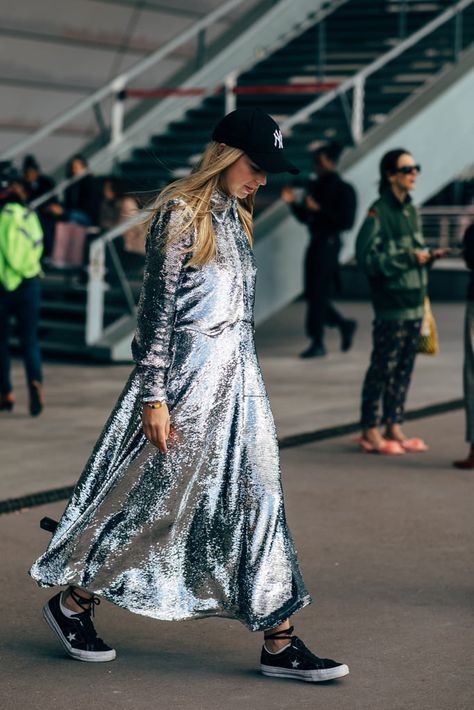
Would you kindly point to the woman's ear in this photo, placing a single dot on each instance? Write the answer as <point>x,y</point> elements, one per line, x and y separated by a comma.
<point>221,147</point>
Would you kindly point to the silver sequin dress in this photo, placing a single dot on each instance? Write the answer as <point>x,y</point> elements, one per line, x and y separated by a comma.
<point>199,531</point>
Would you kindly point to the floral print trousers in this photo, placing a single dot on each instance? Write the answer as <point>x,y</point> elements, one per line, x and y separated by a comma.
<point>395,343</point>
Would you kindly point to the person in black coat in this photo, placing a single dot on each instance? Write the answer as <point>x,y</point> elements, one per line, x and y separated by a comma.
<point>81,199</point>
<point>468,370</point>
<point>38,185</point>
<point>328,209</point>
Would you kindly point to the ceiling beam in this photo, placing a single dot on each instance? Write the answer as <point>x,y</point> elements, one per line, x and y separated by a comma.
<point>85,42</point>
<point>154,7</point>
<point>43,85</point>
<point>21,126</point>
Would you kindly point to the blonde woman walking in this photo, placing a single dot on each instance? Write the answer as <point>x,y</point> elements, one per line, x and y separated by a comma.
<point>179,513</point>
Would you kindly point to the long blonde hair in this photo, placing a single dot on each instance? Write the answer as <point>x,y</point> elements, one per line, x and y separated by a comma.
<point>196,191</point>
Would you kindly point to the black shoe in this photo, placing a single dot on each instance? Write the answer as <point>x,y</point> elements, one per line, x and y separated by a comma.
<point>297,662</point>
<point>7,402</point>
<point>77,633</point>
<point>348,329</point>
<point>36,398</point>
<point>314,350</point>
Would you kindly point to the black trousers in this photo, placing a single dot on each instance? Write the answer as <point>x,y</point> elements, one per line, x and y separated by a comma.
<point>394,348</point>
<point>23,304</point>
<point>321,275</point>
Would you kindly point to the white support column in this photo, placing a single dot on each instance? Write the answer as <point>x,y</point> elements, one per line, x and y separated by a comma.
<point>230,96</point>
<point>357,124</point>
<point>117,114</point>
<point>95,292</point>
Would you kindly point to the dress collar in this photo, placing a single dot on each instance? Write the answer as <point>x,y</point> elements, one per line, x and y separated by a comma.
<point>221,202</point>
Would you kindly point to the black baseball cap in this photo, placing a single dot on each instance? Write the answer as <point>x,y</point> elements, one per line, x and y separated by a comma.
<point>258,135</point>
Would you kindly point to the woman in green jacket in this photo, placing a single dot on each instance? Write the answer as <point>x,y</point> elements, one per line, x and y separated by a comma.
<point>391,251</point>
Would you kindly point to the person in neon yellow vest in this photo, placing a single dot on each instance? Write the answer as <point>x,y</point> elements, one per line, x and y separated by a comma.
<point>21,247</point>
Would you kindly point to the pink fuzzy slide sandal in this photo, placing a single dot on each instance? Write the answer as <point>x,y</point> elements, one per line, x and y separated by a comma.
<point>387,448</point>
<point>414,446</point>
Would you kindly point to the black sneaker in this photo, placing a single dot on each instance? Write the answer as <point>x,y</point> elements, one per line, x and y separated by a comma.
<point>314,350</point>
<point>77,633</point>
<point>297,661</point>
<point>36,398</point>
<point>348,329</point>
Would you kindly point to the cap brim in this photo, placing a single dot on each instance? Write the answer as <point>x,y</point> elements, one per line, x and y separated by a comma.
<point>273,163</point>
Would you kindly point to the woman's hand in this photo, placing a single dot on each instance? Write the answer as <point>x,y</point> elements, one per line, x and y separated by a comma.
<point>156,426</point>
<point>423,257</point>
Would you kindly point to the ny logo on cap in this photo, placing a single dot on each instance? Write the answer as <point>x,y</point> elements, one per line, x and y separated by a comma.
<point>278,136</point>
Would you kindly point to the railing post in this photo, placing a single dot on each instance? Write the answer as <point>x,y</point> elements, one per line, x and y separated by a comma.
<point>117,114</point>
<point>458,31</point>
<point>357,124</point>
<point>201,49</point>
<point>443,232</point>
<point>321,58</point>
<point>95,292</point>
<point>402,20</point>
<point>230,95</point>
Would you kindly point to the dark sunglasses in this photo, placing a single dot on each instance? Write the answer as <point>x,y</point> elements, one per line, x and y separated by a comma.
<point>409,169</point>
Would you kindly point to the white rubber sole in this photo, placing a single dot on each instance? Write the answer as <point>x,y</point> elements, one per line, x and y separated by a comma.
<point>316,676</point>
<point>77,654</point>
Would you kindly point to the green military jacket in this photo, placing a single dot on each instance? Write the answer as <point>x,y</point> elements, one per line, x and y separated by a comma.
<point>385,252</point>
<point>21,245</point>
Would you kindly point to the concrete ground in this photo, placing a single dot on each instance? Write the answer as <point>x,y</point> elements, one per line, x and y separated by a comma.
<point>386,549</point>
<point>306,395</point>
<point>385,545</point>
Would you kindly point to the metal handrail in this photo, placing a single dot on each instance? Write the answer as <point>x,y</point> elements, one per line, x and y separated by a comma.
<point>444,226</point>
<point>358,79</point>
<point>116,147</point>
<point>120,81</point>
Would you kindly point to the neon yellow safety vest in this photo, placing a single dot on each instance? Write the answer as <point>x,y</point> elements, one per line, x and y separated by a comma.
<point>21,245</point>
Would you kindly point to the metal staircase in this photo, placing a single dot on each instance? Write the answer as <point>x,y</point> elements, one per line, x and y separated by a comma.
<point>331,52</point>
<point>378,66</point>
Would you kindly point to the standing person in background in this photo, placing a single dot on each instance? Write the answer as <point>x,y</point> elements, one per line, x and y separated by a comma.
<point>117,206</point>
<point>468,373</point>
<point>328,209</point>
<point>110,210</point>
<point>21,245</point>
<point>48,213</point>
<point>82,198</point>
<point>391,251</point>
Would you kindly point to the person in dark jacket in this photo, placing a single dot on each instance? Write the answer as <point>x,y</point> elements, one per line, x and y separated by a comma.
<point>391,251</point>
<point>328,209</point>
<point>82,198</point>
<point>38,185</point>
<point>468,373</point>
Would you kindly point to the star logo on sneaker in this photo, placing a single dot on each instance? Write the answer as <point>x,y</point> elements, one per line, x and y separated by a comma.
<point>71,637</point>
<point>295,663</point>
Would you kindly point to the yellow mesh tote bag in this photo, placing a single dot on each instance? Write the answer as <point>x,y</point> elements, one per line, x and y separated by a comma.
<point>428,343</point>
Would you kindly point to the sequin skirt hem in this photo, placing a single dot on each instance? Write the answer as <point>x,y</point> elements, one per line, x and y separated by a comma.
<point>254,624</point>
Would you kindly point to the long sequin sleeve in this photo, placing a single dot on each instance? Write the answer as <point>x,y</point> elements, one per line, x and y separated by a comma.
<point>157,305</point>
